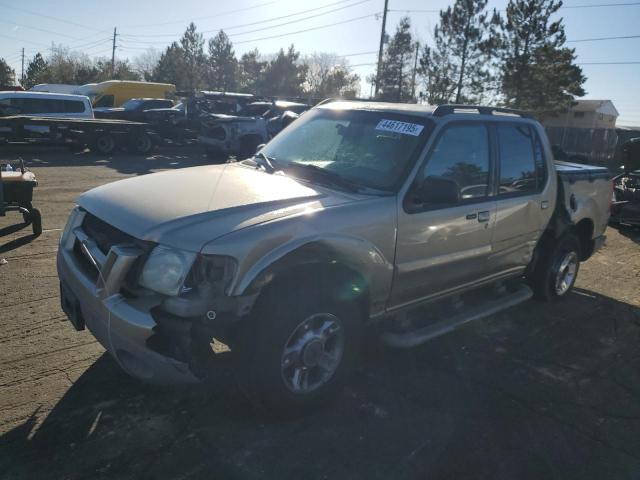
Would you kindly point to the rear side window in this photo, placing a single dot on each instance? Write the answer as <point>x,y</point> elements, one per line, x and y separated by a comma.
<point>518,166</point>
<point>462,154</point>
<point>73,106</point>
<point>105,101</point>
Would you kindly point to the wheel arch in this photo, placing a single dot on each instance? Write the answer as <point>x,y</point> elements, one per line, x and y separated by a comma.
<point>360,270</point>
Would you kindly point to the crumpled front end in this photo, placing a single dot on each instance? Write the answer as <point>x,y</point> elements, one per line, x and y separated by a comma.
<point>98,266</point>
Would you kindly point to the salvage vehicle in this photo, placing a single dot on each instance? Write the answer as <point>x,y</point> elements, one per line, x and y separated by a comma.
<point>625,209</point>
<point>113,93</point>
<point>390,219</point>
<point>134,109</point>
<point>240,134</point>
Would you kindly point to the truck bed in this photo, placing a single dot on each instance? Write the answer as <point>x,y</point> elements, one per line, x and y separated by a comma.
<point>584,192</point>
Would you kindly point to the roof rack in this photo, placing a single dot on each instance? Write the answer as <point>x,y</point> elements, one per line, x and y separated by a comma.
<point>449,109</point>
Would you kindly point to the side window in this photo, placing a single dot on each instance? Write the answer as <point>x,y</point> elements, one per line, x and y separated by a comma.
<point>462,154</point>
<point>517,164</point>
<point>73,106</point>
<point>105,101</point>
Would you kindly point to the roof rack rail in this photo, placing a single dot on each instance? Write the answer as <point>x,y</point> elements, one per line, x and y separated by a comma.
<point>449,109</point>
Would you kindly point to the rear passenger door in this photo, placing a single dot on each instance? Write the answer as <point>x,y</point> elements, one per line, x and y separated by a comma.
<point>522,209</point>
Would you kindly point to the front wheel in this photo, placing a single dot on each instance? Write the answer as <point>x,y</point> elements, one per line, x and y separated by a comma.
<point>557,269</point>
<point>298,347</point>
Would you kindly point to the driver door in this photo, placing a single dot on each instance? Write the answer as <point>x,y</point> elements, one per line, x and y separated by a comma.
<point>442,247</point>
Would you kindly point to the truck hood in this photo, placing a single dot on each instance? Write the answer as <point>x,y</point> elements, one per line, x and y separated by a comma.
<point>189,207</point>
<point>212,118</point>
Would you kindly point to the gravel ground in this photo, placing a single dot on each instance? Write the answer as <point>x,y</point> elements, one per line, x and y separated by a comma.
<point>541,391</point>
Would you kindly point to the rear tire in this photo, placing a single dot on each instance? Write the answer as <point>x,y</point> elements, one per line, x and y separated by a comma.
<point>557,269</point>
<point>35,219</point>
<point>141,143</point>
<point>104,144</point>
<point>298,346</point>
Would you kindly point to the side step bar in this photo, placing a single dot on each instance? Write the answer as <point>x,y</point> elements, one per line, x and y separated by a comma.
<point>422,335</point>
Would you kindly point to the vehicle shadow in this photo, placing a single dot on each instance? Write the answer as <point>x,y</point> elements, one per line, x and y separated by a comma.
<point>632,233</point>
<point>540,391</point>
<point>41,156</point>
<point>17,242</point>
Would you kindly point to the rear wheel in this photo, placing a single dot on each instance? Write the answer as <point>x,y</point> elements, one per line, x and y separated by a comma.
<point>141,143</point>
<point>104,143</point>
<point>36,221</point>
<point>557,269</point>
<point>298,346</point>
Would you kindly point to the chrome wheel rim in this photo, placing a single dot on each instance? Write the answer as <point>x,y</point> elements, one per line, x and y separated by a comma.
<point>566,273</point>
<point>312,353</point>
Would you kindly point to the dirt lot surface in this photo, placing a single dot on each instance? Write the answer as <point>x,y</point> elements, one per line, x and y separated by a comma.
<point>540,392</point>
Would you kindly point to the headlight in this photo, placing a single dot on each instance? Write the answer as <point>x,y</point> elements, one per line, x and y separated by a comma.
<point>165,270</point>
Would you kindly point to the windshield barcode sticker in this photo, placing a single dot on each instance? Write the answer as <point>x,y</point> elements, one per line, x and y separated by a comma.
<point>400,127</point>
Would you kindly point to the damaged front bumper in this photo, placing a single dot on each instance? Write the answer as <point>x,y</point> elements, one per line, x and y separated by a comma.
<point>146,342</point>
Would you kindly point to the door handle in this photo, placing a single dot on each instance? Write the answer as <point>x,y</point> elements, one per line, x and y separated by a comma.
<point>484,216</point>
<point>544,204</point>
<point>472,216</point>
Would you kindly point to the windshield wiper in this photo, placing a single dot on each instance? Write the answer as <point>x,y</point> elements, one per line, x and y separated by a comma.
<point>332,178</point>
<point>265,162</point>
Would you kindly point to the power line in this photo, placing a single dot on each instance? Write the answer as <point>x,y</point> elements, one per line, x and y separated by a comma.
<point>564,7</point>
<point>598,39</point>
<point>40,29</point>
<point>30,12</point>
<point>24,41</point>
<point>219,14</point>
<point>608,63</point>
<point>233,27</point>
<point>296,21</point>
<point>308,29</point>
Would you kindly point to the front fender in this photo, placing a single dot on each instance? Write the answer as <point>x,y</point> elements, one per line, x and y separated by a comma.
<point>355,253</point>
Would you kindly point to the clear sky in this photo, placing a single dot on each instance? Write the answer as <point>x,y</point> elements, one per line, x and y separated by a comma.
<point>344,27</point>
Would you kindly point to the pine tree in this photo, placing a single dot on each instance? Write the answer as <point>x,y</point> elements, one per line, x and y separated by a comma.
<point>251,72</point>
<point>171,67</point>
<point>192,45</point>
<point>458,68</point>
<point>222,72</point>
<point>7,74</point>
<point>36,71</point>
<point>538,71</point>
<point>394,82</point>
<point>284,75</point>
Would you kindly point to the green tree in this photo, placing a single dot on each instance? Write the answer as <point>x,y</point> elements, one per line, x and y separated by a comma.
<point>251,70</point>
<point>222,71</point>
<point>171,67</point>
<point>7,74</point>
<point>192,45</point>
<point>36,71</point>
<point>458,67</point>
<point>284,75</point>
<point>537,71</point>
<point>394,82</point>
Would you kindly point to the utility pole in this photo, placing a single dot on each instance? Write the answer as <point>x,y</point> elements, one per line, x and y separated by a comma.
<point>22,74</point>
<point>113,52</point>
<point>382,34</point>
<point>415,68</point>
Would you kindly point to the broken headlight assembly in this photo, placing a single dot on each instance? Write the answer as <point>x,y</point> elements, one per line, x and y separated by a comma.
<point>166,270</point>
<point>204,288</point>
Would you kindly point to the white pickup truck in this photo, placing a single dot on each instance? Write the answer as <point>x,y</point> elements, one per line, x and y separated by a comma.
<point>399,219</point>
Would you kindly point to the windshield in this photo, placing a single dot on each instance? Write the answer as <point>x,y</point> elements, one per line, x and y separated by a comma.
<point>132,104</point>
<point>370,148</point>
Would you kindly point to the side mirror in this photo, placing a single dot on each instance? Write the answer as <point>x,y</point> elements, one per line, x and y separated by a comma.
<point>439,191</point>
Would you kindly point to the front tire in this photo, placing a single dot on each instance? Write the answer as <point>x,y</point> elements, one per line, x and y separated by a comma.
<point>298,346</point>
<point>557,269</point>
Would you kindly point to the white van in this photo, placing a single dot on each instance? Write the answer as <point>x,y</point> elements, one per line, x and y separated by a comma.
<point>55,88</point>
<point>42,104</point>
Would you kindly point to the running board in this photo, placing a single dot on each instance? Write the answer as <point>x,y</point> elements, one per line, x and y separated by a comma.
<point>422,335</point>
